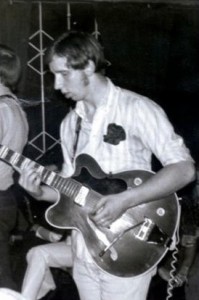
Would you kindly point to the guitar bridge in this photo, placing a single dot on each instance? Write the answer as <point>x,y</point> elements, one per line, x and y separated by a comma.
<point>145,230</point>
<point>151,233</point>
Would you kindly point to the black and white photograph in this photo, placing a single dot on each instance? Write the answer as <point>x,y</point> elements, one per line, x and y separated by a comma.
<point>99,150</point>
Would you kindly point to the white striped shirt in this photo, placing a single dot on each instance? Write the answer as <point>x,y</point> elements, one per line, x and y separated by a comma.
<point>13,131</point>
<point>147,130</point>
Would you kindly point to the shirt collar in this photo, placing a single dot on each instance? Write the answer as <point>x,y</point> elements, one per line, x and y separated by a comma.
<point>104,104</point>
<point>4,90</point>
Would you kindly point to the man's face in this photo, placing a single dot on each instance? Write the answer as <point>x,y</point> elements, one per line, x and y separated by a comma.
<point>72,83</point>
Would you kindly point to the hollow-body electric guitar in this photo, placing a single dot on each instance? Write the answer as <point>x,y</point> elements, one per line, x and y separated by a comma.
<point>135,242</point>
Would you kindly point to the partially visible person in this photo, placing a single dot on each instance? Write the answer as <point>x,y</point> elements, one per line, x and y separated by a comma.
<point>192,286</point>
<point>38,279</point>
<point>14,134</point>
<point>8,294</point>
<point>120,130</point>
<point>176,268</point>
<point>186,256</point>
<point>187,245</point>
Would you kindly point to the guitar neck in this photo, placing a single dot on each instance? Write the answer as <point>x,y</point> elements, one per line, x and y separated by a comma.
<point>69,187</point>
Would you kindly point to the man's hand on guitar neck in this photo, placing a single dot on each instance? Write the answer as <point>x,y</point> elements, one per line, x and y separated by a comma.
<point>30,180</point>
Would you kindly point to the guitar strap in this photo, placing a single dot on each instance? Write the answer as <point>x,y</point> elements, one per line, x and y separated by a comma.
<point>7,96</point>
<point>77,131</point>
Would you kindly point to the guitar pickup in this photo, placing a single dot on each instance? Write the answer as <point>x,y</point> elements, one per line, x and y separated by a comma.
<point>80,199</point>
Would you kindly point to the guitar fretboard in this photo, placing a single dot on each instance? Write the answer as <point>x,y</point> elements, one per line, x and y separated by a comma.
<point>69,187</point>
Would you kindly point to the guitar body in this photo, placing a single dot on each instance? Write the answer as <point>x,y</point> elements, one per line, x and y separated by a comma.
<point>134,243</point>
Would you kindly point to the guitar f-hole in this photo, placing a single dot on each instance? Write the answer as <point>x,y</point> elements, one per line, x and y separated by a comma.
<point>151,233</point>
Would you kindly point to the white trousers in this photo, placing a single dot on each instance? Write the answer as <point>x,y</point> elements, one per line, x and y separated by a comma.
<point>38,279</point>
<point>95,284</point>
<point>8,294</point>
<point>91,281</point>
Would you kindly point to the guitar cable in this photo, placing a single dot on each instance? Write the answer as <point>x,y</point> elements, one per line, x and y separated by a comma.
<point>117,238</point>
<point>171,282</point>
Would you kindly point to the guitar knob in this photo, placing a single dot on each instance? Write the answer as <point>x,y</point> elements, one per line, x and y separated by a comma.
<point>137,181</point>
<point>160,212</point>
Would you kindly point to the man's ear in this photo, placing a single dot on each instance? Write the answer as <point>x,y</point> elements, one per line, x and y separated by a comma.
<point>90,68</point>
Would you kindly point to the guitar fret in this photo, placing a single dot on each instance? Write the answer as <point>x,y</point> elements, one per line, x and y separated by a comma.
<point>45,174</point>
<point>59,183</point>
<point>50,177</point>
<point>55,180</point>
<point>15,158</point>
<point>19,162</point>
<point>76,191</point>
<point>73,191</point>
<point>71,188</point>
<point>9,156</point>
<point>64,187</point>
<point>6,154</point>
<point>24,162</point>
<point>40,169</point>
<point>3,152</point>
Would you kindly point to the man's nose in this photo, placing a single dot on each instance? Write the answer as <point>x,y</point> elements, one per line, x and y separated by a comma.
<point>57,84</point>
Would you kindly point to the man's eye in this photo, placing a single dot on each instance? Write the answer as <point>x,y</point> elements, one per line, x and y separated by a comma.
<point>65,74</point>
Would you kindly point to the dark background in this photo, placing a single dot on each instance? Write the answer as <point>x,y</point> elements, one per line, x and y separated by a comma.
<point>153,48</point>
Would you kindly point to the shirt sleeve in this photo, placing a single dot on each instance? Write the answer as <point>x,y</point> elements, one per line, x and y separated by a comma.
<point>158,135</point>
<point>1,125</point>
<point>67,134</point>
<point>2,164</point>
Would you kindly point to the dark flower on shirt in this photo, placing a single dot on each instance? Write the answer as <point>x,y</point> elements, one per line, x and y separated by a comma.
<point>115,134</point>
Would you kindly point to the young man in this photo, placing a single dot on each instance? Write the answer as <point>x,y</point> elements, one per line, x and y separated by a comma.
<point>120,130</point>
<point>14,134</point>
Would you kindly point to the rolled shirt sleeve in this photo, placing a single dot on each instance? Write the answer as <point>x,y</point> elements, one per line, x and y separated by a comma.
<point>158,134</point>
